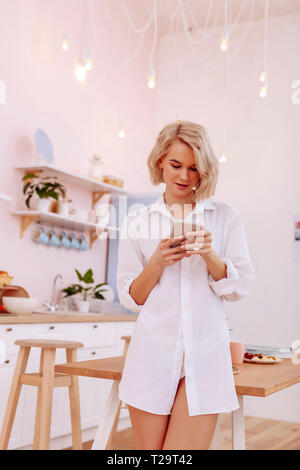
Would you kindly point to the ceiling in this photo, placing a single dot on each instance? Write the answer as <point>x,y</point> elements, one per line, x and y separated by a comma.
<point>198,9</point>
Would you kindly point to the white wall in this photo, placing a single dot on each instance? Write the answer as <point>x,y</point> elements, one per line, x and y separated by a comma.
<point>261,177</point>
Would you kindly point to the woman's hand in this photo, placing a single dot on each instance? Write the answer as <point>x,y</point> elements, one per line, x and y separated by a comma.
<point>164,255</point>
<point>199,242</point>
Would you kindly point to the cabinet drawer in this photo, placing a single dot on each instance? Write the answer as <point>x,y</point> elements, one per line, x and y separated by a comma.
<point>9,361</point>
<point>10,333</point>
<point>93,335</point>
<point>50,330</point>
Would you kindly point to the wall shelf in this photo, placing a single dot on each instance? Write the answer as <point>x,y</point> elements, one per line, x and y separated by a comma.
<point>73,179</point>
<point>27,217</point>
<point>97,188</point>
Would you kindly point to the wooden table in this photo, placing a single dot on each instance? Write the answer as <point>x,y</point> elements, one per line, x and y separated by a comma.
<point>258,380</point>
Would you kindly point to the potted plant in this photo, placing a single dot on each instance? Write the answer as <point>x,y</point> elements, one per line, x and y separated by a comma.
<point>87,290</point>
<point>45,187</point>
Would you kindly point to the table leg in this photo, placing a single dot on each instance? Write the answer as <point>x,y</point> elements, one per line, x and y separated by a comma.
<point>106,425</point>
<point>238,426</point>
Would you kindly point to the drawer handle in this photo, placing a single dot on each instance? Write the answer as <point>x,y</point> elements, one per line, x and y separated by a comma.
<point>95,326</point>
<point>93,353</point>
<point>7,361</point>
<point>51,327</point>
<point>9,329</point>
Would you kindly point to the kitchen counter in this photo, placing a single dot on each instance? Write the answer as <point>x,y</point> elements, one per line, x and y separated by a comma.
<point>39,316</point>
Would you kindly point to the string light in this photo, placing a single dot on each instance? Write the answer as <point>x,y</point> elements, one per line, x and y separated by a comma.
<point>80,72</point>
<point>89,62</point>
<point>223,158</point>
<point>151,77</point>
<point>122,133</point>
<point>224,39</point>
<point>224,42</point>
<point>263,92</point>
<point>262,77</point>
<point>65,45</point>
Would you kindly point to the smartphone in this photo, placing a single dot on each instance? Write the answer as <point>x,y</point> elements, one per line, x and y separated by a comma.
<point>181,228</point>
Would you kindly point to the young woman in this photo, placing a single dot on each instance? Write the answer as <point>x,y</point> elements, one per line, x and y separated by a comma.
<point>177,375</point>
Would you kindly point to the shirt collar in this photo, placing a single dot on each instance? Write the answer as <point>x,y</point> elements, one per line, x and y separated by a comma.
<point>159,206</point>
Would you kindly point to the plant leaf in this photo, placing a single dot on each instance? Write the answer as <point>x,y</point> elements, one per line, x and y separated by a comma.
<point>88,277</point>
<point>29,175</point>
<point>79,275</point>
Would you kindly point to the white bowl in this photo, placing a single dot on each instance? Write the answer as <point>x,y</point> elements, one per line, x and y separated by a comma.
<point>20,305</point>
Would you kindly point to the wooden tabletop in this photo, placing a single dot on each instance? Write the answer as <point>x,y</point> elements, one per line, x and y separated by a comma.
<point>64,317</point>
<point>257,380</point>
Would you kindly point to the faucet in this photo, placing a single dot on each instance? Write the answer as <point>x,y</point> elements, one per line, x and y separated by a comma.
<point>53,306</point>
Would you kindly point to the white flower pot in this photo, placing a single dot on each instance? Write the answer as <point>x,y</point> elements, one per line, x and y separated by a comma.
<point>83,306</point>
<point>43,205</point>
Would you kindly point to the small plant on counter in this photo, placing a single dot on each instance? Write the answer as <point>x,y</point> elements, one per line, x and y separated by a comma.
<point>44,186</point>
<point>87,289</point>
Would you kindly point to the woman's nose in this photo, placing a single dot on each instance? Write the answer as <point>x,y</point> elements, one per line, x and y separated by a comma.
<point>184,174</point>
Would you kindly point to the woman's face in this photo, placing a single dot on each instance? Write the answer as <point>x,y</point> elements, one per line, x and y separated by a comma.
<point>179,170</point>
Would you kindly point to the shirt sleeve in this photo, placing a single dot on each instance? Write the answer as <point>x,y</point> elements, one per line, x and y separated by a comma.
<point>130,264</point>
<point>240,271</point>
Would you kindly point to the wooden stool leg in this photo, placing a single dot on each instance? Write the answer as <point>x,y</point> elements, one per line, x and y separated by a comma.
<point>46,398</point>
<point>13,398</point>
<point>105,427</point>
<point>71,355</point>
<point>113,429</point>
<point>38,408</point>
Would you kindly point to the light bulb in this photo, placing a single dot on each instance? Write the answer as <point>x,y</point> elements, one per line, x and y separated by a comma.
<point>121,133</point>
<point>88,61</point>
<point>88,64</point>
<point>262,76</point>
<point>80,72</point>
<point>224,41</point>
<point>151,77</point>
<point>223,158</point>
<point>65,45</point>
<point>263,92</point>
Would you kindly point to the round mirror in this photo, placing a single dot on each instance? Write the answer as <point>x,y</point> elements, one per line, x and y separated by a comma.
<point>44,146</point>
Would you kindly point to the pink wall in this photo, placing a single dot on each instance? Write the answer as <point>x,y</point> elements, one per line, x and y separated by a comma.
<point>81,120</point>
<point>261,176</point>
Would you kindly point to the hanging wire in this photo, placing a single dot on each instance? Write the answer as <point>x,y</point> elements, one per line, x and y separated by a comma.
<point>226,15</point>
<point>155,13</point>
<point>232,57</point>
<point>148,23</point>
<point>192,15</point>
<point>266,38</point>
<point>186,29</point>
<point>172,15</point>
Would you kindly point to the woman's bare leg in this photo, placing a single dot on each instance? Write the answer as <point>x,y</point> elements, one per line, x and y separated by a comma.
<point>149,429</point>
<point>188,432</point>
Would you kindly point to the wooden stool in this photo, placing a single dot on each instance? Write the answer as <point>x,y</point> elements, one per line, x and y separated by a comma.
<point>45,380</point>
<point>127,339</point>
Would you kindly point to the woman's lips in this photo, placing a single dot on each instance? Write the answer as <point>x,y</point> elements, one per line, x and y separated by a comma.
<point>181,186</point>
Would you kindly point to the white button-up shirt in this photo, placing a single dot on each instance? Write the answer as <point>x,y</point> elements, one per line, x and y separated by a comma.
<point>183,316</point>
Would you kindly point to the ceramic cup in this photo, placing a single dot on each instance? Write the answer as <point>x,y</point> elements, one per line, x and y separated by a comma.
<point>53,238</point>
<point>237,350</point>
<point>74,243</point>
<point>83,244</point>
<point>40,236</point>
<point>64,240</point>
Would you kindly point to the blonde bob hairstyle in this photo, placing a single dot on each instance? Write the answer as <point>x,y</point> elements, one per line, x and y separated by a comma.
<point>206,162</point>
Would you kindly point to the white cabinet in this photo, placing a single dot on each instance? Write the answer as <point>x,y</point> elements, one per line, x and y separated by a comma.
<point>100,339</point>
